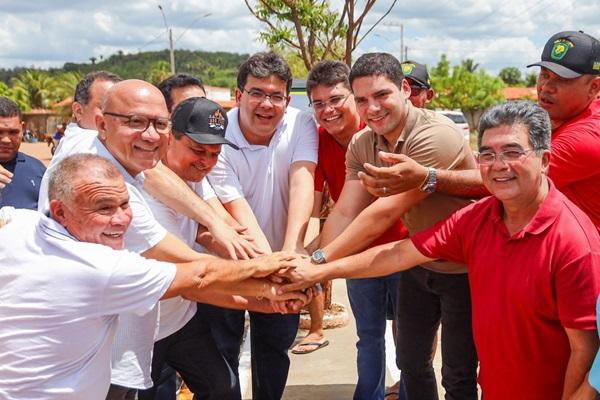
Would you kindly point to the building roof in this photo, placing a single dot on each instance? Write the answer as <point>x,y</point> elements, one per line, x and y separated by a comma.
<point>516,93</point>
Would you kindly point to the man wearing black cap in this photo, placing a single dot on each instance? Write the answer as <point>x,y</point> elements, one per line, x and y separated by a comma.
<point>184,339</point>
<point>417,76</point>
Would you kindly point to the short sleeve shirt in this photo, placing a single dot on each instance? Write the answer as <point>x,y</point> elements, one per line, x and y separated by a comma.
<point>59,308</point>
<point>24,189</point>
<point>525,290</point>
<point>575,161</point>
<point>432,141</point>
<point>260,174</point>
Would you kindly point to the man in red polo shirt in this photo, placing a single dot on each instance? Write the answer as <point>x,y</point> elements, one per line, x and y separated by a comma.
<point>329,92</point>
<point>533,259</point>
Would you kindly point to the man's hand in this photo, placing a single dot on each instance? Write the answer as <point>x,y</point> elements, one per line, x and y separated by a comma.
<point>304,276</point>
<point>233,242</point>
<point>5,177</point>
<point>404,175</point>
<point>271,263</point>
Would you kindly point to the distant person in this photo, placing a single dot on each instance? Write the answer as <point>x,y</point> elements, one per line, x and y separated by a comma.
<point>417,76</point>
<point>533,259</point>
<point>20,174</point>
<point>66,279</point>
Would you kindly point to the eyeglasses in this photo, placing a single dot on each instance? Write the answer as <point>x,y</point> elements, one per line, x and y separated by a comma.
<point>333,102</point>
<point>258,96</point>
<point>140,123</point>
<point>507,156</point>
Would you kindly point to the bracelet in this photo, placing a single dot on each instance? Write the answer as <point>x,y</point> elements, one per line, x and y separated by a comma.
<point>424,183</point>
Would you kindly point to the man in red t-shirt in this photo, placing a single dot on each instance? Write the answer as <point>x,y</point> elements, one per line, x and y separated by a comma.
<point>330,96</point>
<point>568,86</point>
<point>533,259</point>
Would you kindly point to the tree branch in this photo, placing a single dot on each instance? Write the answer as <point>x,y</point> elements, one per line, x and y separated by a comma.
<point>374,25</point>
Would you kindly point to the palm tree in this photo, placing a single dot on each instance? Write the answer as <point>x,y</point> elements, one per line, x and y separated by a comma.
<point>470,65</point>
<point>35,88</point>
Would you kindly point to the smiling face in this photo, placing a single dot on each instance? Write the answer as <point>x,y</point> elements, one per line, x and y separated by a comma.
<point>134,149</point>
<point>259,119</point>
<point>381,104</point>
<point>564,99</point>
<point>518,181</point>
<point>340,120</point>
<point>98,213</point>
<point>11,134</point>
<point>190,160</point>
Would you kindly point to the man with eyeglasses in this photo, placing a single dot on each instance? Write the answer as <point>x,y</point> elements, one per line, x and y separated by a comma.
<point>533,259</point>
<point>267,186</point>
<point>417,76</point>
<point>435,291</point>
<point>330,96</point>
<point>133,131</point>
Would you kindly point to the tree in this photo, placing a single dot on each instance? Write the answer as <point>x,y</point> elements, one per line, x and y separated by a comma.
<point>312,28</point>
<point>511,76</point>
<point>459,88</point>
<point>470,65</point>
<point>160,71</point>
<point>531,79</point>
<point>35,89</point>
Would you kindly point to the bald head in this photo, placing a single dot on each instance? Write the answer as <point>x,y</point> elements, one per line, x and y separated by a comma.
<point>127,124</point>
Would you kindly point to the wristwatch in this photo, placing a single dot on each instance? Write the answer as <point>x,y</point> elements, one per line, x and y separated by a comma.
<point>318,257</point>
<point>430,183</point>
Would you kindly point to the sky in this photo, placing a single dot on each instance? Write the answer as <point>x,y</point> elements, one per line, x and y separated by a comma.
<point>495,33</point>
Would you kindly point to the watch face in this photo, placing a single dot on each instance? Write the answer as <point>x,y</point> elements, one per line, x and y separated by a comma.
<point>318,256</point>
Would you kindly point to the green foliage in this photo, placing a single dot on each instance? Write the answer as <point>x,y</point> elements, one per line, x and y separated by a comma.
<point>511,76</point>
<point>36,88</point>
<point>160,71</point>
<point>458,88</point>
<point>531,79</point>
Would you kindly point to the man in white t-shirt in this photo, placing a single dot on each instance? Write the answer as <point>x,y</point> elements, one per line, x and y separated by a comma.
<point>267,186</point>
<point>66,279</point>
<point>132,133</point>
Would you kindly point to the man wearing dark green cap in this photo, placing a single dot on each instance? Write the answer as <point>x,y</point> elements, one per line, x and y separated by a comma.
<point>417,76</point>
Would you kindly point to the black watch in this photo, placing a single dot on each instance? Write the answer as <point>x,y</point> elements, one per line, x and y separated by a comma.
<point>318,257</point>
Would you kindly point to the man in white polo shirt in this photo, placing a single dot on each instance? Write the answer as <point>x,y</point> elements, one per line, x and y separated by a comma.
<point>132,133</point>
<point>65,279</point>
<point>267,186</point>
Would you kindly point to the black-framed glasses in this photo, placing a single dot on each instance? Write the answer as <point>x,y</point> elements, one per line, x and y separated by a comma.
<point>258,96</point>
<point>140,123</point>
<point>507,156</point>
<point>333,102</point>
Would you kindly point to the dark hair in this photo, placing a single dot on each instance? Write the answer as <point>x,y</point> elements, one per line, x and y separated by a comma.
<point>328,73</point>
<point>177,81</point>
<point>82,90</point>
<point>262,65</point>
<point>531,115</point>
<point>9,108</point>
<point>378,64</point>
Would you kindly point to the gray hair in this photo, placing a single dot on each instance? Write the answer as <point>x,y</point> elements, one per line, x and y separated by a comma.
<point>531,115</point>
<point>61,185</point>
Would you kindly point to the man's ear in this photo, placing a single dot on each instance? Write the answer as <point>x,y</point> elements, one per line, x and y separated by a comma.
<point>430,94</point>
<point>100,126</point>
<point>57,211</point>
<point>546,160</point>
<point>238,95</point>
<point>77,111</point>
<point>595,86</point>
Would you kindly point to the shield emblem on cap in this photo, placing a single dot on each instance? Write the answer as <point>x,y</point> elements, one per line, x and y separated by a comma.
<point>560,49</point>
<point>407,69</point>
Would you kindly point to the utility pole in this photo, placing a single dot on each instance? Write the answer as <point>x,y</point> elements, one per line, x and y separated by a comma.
<point>402,59</point>
<point>171,48</point>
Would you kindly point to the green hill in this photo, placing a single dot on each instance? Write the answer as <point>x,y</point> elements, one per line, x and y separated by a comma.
<point>214,68</point>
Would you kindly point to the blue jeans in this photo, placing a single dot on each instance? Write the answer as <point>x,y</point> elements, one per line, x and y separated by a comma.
<point>369,301</point>
<point>271,337</point>
<point>426,298</point>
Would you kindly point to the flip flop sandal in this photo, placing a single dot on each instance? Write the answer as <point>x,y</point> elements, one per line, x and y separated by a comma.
<point>302,345</point>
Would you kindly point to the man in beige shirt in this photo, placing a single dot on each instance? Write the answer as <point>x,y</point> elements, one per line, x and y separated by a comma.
<point>428,294</point>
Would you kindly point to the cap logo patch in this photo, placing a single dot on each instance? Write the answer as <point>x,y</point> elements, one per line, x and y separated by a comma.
<point>560,49</point>
<point>217,121</point>
<point>596,66</point>
<point>407,69</point>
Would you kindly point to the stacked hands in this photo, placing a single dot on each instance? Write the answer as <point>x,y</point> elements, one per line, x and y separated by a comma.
<point>289,280</point>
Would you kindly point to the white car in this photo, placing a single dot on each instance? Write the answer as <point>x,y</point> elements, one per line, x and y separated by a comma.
<point>459,119</point>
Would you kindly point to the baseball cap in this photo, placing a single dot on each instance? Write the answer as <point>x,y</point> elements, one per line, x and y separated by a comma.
<point>571,54</point>
<point>417,73</point>
<point>202,120</point>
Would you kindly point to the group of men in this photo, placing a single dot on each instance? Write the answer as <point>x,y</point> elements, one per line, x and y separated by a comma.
<point>164,173</point>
